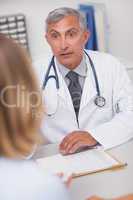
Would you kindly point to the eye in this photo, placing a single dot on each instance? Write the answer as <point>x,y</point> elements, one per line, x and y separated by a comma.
<point>54,35</point>
<point>72,34</point>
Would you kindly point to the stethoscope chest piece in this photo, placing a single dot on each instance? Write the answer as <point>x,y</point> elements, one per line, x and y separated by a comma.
<point>100,101</point>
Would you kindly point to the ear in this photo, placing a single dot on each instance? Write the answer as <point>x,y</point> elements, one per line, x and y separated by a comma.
<point>86,36</point>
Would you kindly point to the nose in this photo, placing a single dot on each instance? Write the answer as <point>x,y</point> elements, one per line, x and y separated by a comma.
<point>63,43</point>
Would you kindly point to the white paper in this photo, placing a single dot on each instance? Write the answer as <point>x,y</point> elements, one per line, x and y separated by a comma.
<point>83,162</point>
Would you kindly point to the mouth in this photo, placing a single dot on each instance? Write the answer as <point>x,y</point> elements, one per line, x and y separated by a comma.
<point>67,54</point>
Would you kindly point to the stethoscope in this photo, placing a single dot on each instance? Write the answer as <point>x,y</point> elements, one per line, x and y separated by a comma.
<point>99,100</point>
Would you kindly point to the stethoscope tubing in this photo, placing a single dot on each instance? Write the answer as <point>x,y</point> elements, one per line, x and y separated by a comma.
<point>47,77</point>
<point>99,100</point>
<point>94,73</point>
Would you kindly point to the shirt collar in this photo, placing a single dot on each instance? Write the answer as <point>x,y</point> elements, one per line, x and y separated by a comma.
<point>81,69</point>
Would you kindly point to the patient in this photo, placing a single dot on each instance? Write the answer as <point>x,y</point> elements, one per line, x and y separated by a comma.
<point>20,111</point>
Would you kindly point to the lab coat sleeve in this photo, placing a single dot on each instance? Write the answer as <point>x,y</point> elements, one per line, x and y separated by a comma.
<point>120,128</point>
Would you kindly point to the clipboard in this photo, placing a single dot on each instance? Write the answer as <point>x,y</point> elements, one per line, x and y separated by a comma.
<point>80,164</point>
<point>112,168</point>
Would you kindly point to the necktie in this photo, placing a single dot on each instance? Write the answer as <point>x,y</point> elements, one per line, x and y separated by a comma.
<point>75,90</point>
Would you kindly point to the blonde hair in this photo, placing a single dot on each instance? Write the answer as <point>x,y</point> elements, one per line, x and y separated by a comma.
<point>18,125</point>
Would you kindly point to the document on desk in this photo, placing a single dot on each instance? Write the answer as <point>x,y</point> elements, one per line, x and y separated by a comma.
<point>79,164</point>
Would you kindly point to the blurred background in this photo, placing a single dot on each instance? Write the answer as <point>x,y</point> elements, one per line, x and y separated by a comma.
<point>112,23</point>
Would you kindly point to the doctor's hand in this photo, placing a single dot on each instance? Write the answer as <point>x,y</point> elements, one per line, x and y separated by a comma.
<point>75,141</point>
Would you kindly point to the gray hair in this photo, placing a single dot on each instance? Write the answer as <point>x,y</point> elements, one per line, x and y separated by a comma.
<point>59,13</point>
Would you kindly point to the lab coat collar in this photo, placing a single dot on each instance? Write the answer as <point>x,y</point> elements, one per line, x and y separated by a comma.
<point>81,69</point>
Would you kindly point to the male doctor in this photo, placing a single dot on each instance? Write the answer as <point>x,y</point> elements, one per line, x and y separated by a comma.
<point>88,95</point>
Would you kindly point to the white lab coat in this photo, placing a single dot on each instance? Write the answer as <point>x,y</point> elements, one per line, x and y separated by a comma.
<point>110,125</point>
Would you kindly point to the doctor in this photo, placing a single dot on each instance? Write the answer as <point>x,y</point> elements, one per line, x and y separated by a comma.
<point>88,95</point>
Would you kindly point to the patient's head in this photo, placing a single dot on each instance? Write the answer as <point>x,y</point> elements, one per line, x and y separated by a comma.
<point>20,101</point>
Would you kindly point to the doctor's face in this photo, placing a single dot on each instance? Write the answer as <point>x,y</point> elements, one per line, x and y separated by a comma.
<point>67,40</point>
